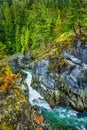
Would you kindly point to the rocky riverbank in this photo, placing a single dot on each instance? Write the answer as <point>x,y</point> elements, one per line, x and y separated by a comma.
<point>58,83</point>
<point>64,84</point>
<point>16,113</point>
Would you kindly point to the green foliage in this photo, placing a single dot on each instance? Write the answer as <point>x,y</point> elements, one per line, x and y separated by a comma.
<point>4,126</point>
<point>76,16</point>
<point>33,24</point>
<point>24,38</point>
<point>58,24</point>
<point>4,71</point>
<point>2,50</point>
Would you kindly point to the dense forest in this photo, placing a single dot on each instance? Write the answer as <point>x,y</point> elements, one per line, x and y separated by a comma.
<point>43,64</point>
<point>31,24</point>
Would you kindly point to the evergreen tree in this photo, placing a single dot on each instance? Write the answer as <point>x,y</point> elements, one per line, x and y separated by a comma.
<point>32,24</point>
<point>8,27</point>
<point>24,39</point>
<point>77,15</point>
<point>58,24</point>
<point>17,39</point>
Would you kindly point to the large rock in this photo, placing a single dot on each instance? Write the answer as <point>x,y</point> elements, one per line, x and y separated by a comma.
<point>20,61</point>
<point>63,84</point>
<point>59,84</point>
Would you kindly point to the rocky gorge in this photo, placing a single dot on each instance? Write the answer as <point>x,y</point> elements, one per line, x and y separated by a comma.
<point>16,113</point>
<point>69,86</point>
<point>64,84</point>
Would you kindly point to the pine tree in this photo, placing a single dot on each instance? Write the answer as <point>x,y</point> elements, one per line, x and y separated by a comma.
<point>8,27</point>
<point>77,15</point>
<point>24,39</point>
<point>58,24</point>
<point>17,39</point>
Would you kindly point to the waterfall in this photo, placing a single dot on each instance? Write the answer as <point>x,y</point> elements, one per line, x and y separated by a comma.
<point>60,117</point>
<point>34,97</point>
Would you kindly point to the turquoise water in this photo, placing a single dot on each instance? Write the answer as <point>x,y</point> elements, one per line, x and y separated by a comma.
<point>61,117</point>
<point>65,118</point>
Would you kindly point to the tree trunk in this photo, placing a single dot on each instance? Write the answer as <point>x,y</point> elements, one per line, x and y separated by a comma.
<point>80,31</point>
<point>74,29</point>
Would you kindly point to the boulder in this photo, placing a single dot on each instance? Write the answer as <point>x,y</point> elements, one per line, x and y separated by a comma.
<point>65,84</point>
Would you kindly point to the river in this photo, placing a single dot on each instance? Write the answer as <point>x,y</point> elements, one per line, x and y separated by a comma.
<point>61,117</point>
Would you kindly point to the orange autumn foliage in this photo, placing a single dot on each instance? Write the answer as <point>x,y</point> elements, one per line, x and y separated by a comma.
<point>9,81</point>
<point>39,120</point>
<point>38,128</point>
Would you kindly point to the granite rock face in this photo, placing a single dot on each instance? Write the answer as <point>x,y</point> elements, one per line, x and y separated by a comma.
<point>63,84</point>
<point>20,61</point>
<point>58,84</point>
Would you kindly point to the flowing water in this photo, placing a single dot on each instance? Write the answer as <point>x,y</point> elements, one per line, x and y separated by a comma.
<point>61,117</point>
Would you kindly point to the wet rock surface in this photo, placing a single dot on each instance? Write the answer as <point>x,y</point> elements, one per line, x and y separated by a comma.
<point>63,84</point>
<point>59,84</point>
<point>20,61</point>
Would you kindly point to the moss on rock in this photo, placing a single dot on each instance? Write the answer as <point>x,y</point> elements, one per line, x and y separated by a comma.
<point>15,111</point>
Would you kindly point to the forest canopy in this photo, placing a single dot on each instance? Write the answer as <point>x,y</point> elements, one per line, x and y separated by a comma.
<point>31,24</point>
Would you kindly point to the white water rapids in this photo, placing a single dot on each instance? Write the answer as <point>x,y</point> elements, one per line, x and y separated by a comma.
<point>34,97</point>
<point>60,115</point>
